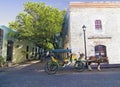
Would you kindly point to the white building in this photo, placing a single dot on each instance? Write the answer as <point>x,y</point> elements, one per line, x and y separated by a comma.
<point>102,21</point>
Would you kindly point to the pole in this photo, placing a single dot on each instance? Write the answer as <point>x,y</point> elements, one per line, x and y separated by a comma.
<point>85,47</point>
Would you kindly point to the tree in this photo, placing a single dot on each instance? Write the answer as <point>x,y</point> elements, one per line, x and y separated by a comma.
<point>39,23</point>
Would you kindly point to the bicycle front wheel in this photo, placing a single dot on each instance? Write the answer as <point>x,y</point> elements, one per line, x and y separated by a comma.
<point>51,67</point>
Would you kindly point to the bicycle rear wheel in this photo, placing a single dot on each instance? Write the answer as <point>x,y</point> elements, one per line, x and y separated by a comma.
<point>79,66</point>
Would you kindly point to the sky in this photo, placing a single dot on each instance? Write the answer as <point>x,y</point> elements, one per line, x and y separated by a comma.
<point>9,9</point>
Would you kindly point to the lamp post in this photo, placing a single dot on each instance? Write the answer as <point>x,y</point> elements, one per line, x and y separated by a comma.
<point>84,29</point>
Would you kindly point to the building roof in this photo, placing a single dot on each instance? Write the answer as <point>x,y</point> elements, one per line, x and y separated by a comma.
<point>94,5</point>
<point>6,28</point>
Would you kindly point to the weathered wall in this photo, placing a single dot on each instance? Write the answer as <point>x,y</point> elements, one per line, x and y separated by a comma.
<point>19,51</point>
<point>110,17</point>
<point>19,47</point>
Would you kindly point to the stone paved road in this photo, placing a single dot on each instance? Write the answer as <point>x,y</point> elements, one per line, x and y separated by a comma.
<point>34,76</point>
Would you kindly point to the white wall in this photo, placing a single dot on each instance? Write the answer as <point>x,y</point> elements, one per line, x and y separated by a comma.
<point>110,18</point>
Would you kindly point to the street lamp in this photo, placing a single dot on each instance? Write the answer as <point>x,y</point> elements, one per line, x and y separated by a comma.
<point>84,29</point>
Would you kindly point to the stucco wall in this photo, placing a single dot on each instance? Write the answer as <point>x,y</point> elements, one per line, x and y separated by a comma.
<point>109,36</point>
<point>19,47</point>
<point>19,51</point>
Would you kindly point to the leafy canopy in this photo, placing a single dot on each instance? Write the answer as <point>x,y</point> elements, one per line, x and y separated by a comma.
<point>39,23</point>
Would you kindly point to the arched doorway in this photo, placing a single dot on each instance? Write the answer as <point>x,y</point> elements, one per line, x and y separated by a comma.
<point>100,50</point>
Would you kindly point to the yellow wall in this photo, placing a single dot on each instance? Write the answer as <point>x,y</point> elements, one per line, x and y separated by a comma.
<point>19,51</point>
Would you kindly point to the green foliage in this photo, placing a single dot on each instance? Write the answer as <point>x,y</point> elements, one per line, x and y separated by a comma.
<point>2,61</point>
<point>13,34</point>
<point>39,23</point>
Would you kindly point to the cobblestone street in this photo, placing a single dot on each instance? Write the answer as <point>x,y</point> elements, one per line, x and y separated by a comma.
<point>32,75</point>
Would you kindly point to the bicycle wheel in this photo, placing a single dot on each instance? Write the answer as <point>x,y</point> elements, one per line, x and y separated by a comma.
<point>79,66</point>
<point>51,67</point>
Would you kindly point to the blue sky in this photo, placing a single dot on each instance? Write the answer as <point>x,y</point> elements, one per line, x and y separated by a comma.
<point>9,9</point>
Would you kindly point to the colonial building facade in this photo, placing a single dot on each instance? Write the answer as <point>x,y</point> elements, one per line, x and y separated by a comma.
<point>102,21</point>
<point>12,49</point>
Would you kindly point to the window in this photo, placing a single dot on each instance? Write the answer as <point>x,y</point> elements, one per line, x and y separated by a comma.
<point>98,25</point>
<point>1,40</point>
<point>1,35</point>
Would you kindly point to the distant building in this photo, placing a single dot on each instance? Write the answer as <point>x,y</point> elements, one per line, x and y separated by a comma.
<point>12,49</point>
<point>102,21</point>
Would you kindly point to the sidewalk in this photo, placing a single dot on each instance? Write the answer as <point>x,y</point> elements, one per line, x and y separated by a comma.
<point>19,66</point>
<point>107,66</point>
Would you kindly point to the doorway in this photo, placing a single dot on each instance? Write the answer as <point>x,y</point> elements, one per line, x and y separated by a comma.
<point>9,50</point>
<point>27,50</point>
<point>100,50</point>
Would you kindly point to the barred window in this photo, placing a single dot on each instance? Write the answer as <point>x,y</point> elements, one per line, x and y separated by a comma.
<point>98,25</point>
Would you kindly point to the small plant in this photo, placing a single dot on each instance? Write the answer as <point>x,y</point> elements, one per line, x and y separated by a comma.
<point>2,61</point>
